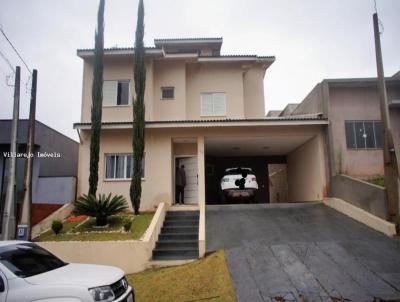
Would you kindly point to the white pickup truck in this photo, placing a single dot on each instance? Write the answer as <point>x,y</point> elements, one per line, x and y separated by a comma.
<point>32,274</point>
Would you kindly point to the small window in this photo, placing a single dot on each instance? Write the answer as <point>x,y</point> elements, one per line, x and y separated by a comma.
<point>115,93</point>
<point>364,134</point>
<point>167,93</point>
<point>213,104</point>
<point>120,166</point>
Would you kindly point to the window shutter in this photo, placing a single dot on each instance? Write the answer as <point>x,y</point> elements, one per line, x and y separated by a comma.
<point>206,104</point>
<point>110,93</point>
<point>219,104</point>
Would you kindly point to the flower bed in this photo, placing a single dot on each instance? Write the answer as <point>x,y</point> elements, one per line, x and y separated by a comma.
<point>81,228</point>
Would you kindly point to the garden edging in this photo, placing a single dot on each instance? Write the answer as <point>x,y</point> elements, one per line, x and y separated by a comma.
<point>129,255</point>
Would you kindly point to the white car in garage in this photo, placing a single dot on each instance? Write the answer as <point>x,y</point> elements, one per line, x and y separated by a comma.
<point>30,273</point>
<point>238,184</point>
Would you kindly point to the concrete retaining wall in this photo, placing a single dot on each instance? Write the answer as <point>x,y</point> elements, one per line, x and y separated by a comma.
<point>362,216</point>
<point>364,195</point>
<point>45,224</point>
<point>131,255</point>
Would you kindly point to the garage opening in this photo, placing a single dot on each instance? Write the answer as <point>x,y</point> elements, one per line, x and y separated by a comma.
<point>286,168</point>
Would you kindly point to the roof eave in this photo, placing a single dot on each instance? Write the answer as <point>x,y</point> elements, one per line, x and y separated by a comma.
<point>203,124</point>
<point>87,53</point>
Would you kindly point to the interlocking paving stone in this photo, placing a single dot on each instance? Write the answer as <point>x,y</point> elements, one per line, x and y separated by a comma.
<point>302,278</point>
<point>243,280</point>
<point>333,279</point>
<point>303,252</point>
<point>349,264</point>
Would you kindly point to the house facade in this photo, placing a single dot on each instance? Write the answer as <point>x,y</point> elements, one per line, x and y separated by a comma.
<point>355,127</point>
<point>203,110</point>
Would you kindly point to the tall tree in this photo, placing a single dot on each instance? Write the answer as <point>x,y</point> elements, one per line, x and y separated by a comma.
<point>97,101</point>
<point>139,70</point>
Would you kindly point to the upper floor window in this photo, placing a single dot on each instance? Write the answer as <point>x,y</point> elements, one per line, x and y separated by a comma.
<point>115,93</point>
<point>364,134</point>
<point>167,93</point>
<point>120,166</point>
<point>213,104</point>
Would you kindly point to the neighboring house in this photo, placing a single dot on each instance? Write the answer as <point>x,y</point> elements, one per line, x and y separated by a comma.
<point>54,174</point>
<point>355,136</point>
<point>203,110</point>
<point>355,127</point>
<point>288,109</point>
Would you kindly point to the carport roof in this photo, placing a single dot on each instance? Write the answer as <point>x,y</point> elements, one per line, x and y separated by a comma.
<point>272,121</point>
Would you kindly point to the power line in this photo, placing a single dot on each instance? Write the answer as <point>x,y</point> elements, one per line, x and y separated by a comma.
<point>16,51</point>
<point>7,61</point>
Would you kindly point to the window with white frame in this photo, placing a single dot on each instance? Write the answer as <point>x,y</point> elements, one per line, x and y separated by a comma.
<point>120,166</point>
<point>115,93</point>
<point>213,104</point>
<point>364,134</point>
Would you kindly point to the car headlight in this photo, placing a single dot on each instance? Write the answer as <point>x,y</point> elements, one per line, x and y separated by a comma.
<point>102,294</point>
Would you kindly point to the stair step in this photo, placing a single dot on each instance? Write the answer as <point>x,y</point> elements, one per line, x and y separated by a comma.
<point>182,213</point>
<point>177,244</point>
<point>179,254</point>
<point>178,236</point>
<point>174,257</point>
<point>180,229</point>
<point>183,223</point>
<point>181,218</point>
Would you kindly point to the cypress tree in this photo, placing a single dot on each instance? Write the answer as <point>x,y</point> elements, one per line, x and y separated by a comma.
<point>138,125</point>
<point>97,101</point>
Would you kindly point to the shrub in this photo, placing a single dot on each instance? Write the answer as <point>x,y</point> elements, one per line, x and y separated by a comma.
<point>100,208</point>
<point>56,226</point>
<point>127,223</point>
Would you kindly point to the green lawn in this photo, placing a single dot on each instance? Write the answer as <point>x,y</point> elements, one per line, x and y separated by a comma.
<point>377,180</point>
<point>86,232</point>
<point>202,280</point>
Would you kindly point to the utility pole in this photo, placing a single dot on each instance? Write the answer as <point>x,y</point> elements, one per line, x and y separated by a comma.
<point>392,182</point>
<point>8,229</point>
<point>24,223</point>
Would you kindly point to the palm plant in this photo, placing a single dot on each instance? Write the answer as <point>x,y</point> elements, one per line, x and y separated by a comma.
<point>100,208</point>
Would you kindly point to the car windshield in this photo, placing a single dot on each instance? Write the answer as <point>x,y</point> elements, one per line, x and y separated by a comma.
<point>236,171</point>
<point>28,259</point>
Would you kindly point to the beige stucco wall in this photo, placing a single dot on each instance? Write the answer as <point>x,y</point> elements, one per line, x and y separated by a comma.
<point>306,171</point>
<point>159,152</point>
<point>362,103</point>
<point>253,92</point>
<point>354,104</point>
<point>243,85</point>
<point>312,103</point>
<point>211,77</point>
<point>184,149</point>
<point>157,181</point>
<point>170,73</point>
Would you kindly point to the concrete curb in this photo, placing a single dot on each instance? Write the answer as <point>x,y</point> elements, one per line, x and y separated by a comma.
<point>362,216</point>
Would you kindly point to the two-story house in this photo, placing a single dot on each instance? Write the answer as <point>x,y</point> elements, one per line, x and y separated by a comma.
<point>204,110</point>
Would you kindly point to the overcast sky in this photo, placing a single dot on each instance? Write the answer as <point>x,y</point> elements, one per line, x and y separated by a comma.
<point>311,39</point>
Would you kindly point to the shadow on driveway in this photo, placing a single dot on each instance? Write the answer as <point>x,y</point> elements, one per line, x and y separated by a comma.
<point>303,252</point>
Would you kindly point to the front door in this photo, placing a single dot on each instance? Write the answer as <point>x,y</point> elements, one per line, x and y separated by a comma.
<point>191,190</point>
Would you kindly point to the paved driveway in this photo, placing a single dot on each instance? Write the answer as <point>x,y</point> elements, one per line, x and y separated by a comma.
<point>284,252</point>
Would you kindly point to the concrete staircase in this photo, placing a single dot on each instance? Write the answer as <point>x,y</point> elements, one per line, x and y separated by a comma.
<point>179,237</point>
